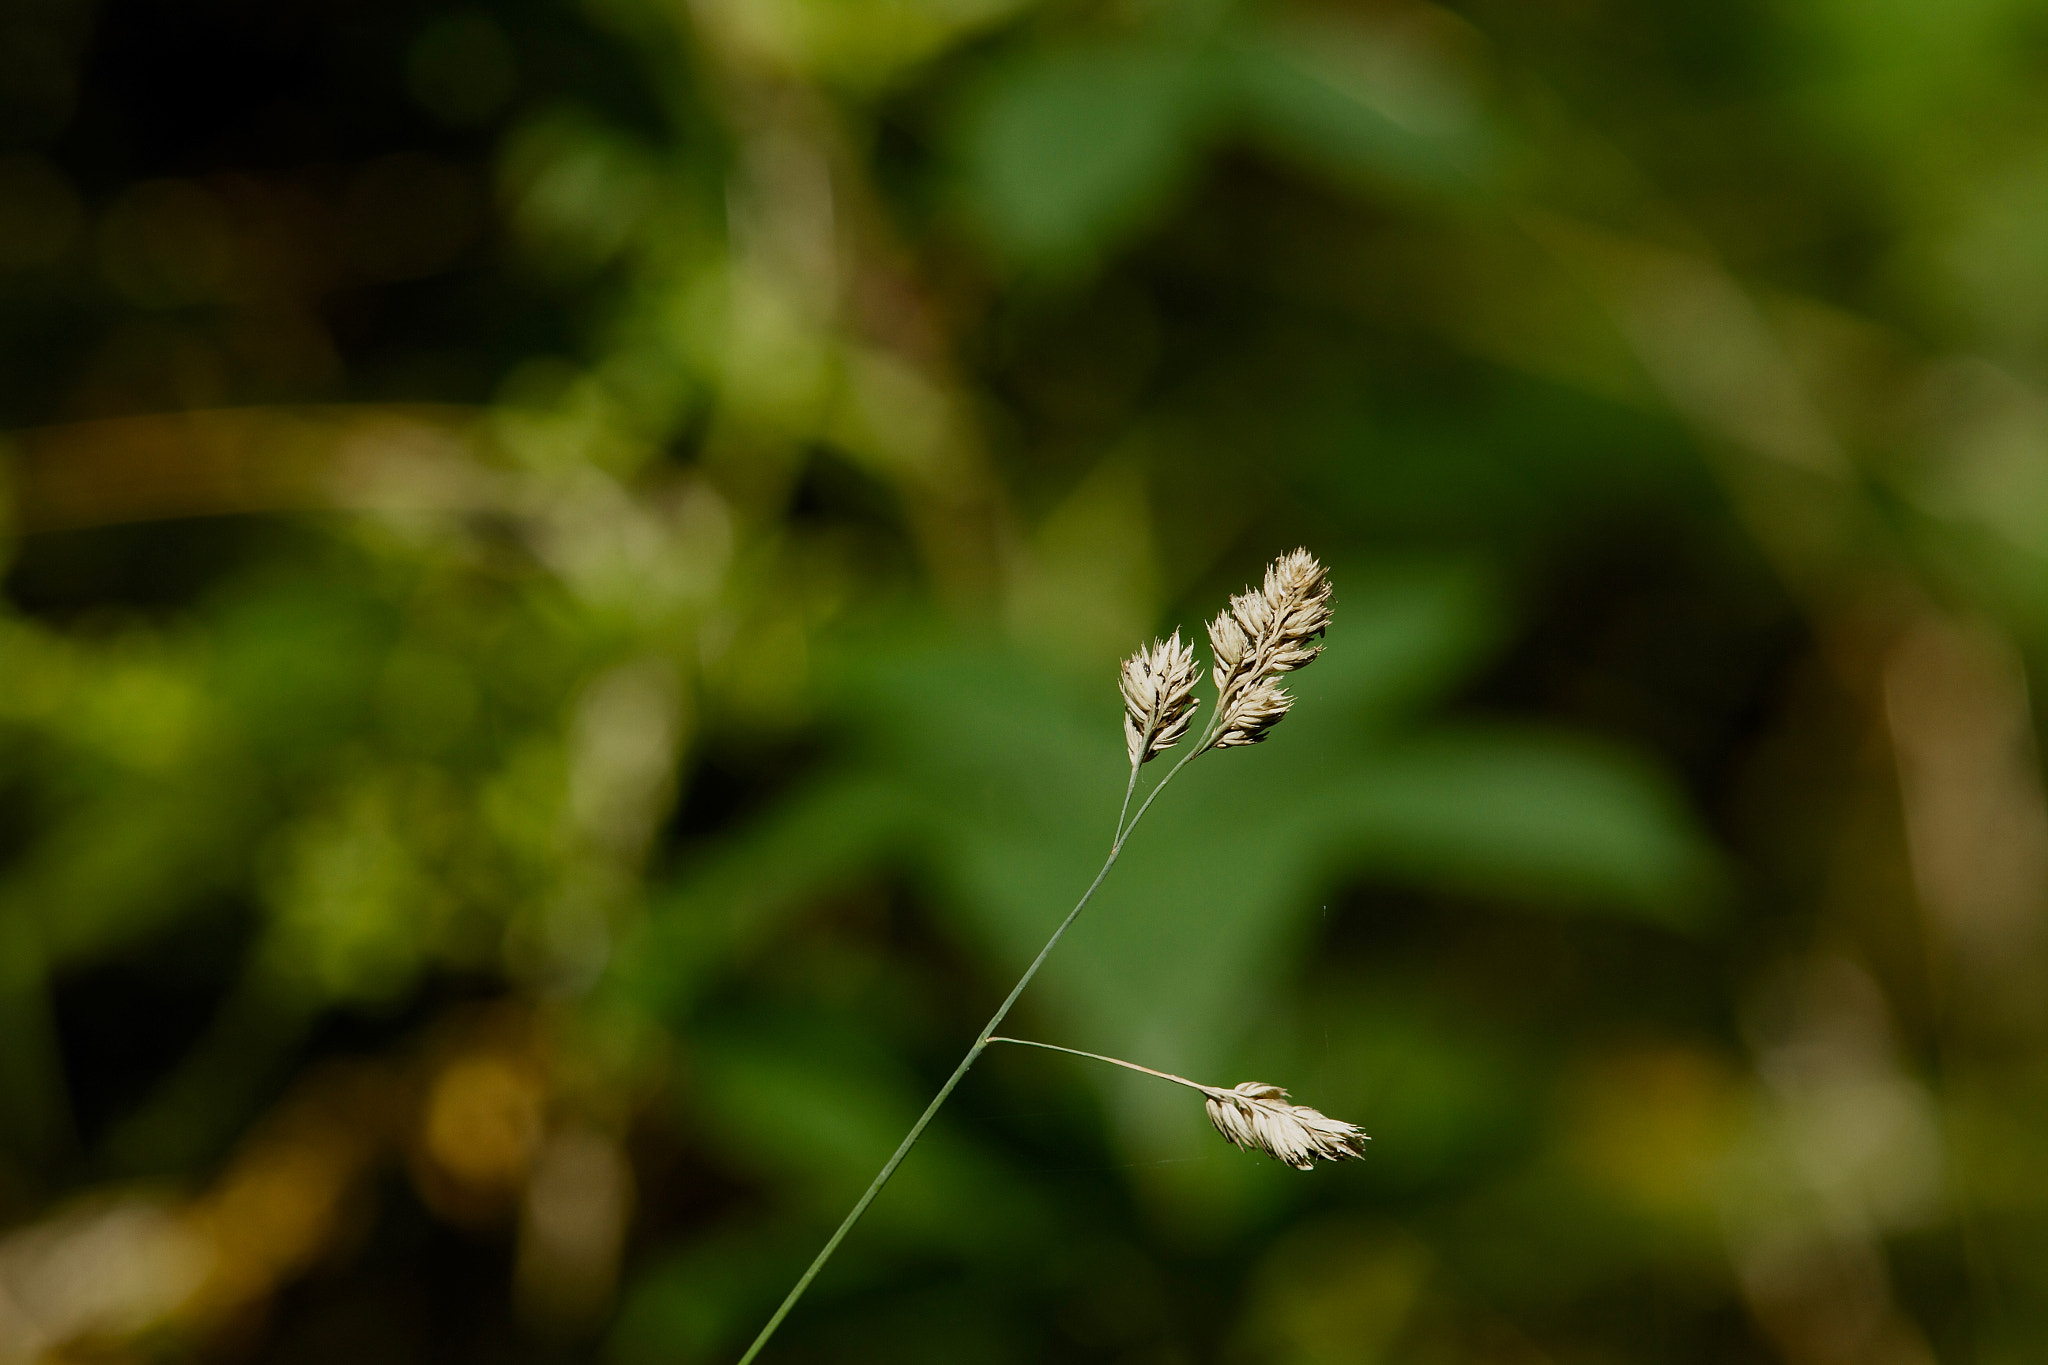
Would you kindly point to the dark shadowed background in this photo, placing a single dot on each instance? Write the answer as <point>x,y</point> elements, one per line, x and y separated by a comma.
<point>564,565</point>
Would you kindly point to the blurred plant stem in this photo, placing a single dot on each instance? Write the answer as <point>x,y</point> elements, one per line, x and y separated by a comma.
<point>981,1042</point>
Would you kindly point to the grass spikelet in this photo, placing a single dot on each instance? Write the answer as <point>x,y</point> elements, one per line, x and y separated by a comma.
<point>1253,1115</point>
<point>1262,635</point>
<point>1258,1118</point>
<point>1159,697</point>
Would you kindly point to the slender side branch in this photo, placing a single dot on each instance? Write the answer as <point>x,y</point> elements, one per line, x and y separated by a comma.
<point>1193,753</point>
<point>1113,1061</point>
<point>1129,787</point>
<point>1253,1115</point>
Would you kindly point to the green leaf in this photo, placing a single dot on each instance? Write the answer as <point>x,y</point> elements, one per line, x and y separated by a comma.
<point>819,1109</point>
<point>1540,818</point>
<point>1067,150</point>
<point>1358,105</point>
<point>738,893</point>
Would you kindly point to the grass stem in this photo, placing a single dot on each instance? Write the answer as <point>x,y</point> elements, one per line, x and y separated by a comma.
<point>981,1042</point>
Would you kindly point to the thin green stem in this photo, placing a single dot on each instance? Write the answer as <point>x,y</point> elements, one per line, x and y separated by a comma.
<point>1113,1061</point>
<point>981,1043</point>
<point>1129,787</point>
<point>1153,795</point>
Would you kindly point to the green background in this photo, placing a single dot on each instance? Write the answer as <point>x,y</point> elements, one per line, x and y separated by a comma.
<point>564,572</point>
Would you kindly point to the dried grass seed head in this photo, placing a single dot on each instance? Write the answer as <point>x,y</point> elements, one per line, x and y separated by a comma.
<point>1250,713</point>
<point>1257,1117</point>
<point>1262,635</point>
<point>1159,697</point>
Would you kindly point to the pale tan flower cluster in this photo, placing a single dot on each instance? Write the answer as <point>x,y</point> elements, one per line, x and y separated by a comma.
<point>1159,697</point>
<point>1263,635</point>
<point>1254,1115</point>
<point>1257,1117</point>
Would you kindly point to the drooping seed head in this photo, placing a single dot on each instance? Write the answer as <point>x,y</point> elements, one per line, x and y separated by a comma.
<point>1264,634</point>
<point>1159,697</point>
<point>1256,1117</point>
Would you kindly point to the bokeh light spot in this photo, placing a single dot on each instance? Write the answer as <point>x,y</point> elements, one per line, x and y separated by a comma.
<point>462,68</point>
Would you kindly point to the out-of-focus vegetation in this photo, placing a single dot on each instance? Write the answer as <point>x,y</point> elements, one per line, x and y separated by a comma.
<point>563,571</point>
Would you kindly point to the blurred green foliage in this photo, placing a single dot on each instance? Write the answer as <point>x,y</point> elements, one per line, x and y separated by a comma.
<point>564,566</point>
